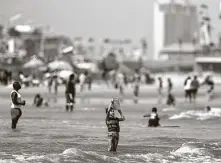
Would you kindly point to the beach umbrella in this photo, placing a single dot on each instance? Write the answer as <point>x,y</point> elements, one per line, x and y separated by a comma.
<point>47,75</point>
<point>33,63</point>
<point>59,65</point>
<point>64,74</point>
<point>24,28</point>
<point>43,68</point>
<point>88,66</point>
<point>68,49</point>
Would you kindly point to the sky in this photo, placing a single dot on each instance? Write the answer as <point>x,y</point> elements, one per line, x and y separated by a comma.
<point>95,18</point>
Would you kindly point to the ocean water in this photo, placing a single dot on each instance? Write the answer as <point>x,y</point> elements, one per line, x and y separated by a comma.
<point>51,135</point>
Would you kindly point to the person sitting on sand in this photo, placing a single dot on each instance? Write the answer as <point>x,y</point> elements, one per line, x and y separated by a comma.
<point>38,100</point>
<point>112,123</point>
<point>154,118</point>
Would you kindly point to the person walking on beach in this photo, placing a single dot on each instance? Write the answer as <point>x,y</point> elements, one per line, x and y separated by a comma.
<point>113,125</point>
<point>16,103</point>
<point>208,81</point>
<point>70,92</point>
<point>195,84</point>
<point>160,89</point>
<point>136,82</point>
<point>154,118</point>
<point>170,85</point>
<point>120,83</point>
<point>89,81</point>
<point>49,82</point>
<point>160,86</point>
<point>125,79</point>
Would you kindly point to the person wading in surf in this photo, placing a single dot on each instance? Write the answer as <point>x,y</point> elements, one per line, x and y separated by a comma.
<point>112,123</point>
<point>70,92</point>
<point>208,81</point>
<point>154,118</point>
<point>16,103</point>
<point>136,83</point>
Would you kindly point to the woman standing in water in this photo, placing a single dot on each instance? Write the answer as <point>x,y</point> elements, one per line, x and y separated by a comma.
<point>17,102</point>
<point>112,123</point>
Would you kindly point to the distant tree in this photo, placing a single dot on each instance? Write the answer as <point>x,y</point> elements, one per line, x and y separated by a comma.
<point>13,33</point>
<point>37,32</point>
<point>30,47</point>
<point>111,61</point>
<point>106,40</point>
<point>121,50</point>
<point>91,40</point>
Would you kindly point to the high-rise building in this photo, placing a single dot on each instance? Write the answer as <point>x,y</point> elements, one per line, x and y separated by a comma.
<point>174,20</point>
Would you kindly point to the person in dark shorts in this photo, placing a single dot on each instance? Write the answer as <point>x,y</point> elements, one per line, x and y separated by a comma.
<point>89,80</point>
<point>188,89</point>
<point>208,109</point>
<point>154,118</point>
<point>170,85</point>
<point>136,82</point>
<point>208,81</point>
<point>195,84</point>
<point>70,92</point>
<point>16,103</point>
<point>160,87</point>
<point>112,123</point>
<point>160,90</point>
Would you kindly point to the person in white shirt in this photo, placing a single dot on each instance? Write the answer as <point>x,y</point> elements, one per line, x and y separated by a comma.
<point>16,103</point>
